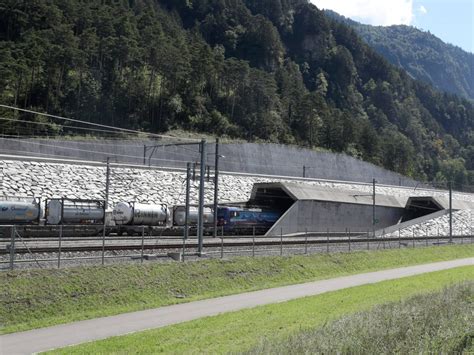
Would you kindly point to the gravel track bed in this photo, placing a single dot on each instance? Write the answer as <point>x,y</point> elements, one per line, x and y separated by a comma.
<point>70,259</point>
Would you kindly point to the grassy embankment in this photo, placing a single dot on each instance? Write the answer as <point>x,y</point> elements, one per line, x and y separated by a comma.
<point>37,298</point>
<point>244,330</point>
<point>438,322</point>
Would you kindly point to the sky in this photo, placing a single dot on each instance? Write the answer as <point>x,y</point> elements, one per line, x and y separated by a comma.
<point>450,20</point>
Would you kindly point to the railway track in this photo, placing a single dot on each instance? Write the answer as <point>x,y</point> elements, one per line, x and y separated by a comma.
<point>22,248</point>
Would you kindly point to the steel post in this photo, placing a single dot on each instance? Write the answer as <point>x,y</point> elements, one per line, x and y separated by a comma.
<point>306,241</point>
<point>349,234</point>
<point>200,231</point>
<point>253,241</point>
<point>327,241</point>
<point>222,246</point>
<point>450,212</point>
<point>184,250</point>
<point>12,247</point>
<point>216,186</point>
<point>143,244</point>
<point>103,242</point>
<point>281,241</point>
<point>188,191</point>
<point>374,221</point>
<point>107,185</point>
<point>59,244</point>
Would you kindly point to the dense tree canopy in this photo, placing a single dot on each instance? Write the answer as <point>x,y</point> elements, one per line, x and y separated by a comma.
<point>273,70</point>
<point>423,55</point>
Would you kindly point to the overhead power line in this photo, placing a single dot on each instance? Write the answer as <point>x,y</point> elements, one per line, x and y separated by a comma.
<point>95,151</point>
<point>50,124</point>
<point>96,124</point>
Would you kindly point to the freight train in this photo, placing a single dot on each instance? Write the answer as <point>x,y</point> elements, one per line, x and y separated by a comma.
<point>125,217</point>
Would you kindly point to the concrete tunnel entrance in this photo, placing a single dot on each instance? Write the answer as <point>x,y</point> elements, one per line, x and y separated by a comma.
<point>271,198</point>
<point>420,206</point>
<point>316,209</point>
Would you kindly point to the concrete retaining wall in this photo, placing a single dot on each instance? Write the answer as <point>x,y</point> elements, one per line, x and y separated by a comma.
<point>246,158</point>
<point>318,216</point>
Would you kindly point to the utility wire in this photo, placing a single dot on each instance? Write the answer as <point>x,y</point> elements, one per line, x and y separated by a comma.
<point>95,124</point>
<point>57,125</point>
<point>16,138</point>
<point>95,151</point>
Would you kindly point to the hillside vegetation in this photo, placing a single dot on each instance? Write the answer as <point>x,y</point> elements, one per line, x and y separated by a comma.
<point>424,56</point>
<point>271,70</point>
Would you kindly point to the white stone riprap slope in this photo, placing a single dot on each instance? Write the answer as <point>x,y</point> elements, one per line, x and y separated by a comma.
<point>462,225</point>
<point>48,180</point>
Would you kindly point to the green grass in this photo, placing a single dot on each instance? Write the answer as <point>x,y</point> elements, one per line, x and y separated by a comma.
<point>37,298</point>
<point>438,322</point>
<point>243,330</point>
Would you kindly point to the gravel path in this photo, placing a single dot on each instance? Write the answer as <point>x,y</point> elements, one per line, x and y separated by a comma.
<point>90,330</point>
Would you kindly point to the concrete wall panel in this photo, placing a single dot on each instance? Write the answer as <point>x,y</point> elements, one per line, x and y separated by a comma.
<point>315,216</point>
<point>248,158</point>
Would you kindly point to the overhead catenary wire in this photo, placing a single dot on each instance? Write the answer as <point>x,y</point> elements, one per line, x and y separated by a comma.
<point>72,127</point>
<point>133,131</point>
<point>65,137</point>
<point>51,124</point>
<point>96,152</point>
<point>96,124</point>
<point>20,139</point>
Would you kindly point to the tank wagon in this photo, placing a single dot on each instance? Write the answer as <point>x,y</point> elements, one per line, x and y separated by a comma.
<point>179,216</point>
<point>131,213</point>
<point>71,217</point>
<point>20,210</point>
<point>130,217</point>
<point>82,217</point>
<point>74,211</point>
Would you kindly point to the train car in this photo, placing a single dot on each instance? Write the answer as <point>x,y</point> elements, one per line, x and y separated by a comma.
<point>20,210</point>
<point>179,216</point>
<point>74,211</point>
<point>236,220</point>
<point>131,213</point>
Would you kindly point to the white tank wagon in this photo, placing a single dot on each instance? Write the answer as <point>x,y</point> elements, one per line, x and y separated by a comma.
<point>179,215</point>
<point>20,210</point>
<point>74,211</point>
<point>131,213</point>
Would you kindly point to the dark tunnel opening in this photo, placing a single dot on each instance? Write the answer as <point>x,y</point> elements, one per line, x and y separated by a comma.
<point>419,207</point>
<point>271,199</point>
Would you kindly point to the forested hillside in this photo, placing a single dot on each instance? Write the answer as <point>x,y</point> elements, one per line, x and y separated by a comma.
<point>272,70</point>
<point>422,55</point>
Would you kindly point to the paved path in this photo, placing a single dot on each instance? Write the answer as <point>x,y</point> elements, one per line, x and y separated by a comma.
<point>89,330</point>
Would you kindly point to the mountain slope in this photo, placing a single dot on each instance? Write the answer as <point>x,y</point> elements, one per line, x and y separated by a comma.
<point>423,55</point>
<point>273,70</point>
